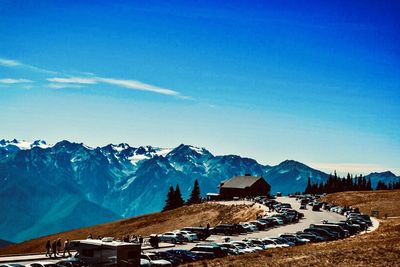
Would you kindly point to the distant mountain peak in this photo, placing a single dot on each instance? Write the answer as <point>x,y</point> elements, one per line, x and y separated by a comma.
<point>292,164</point>
<point>385,174</point>
<point>187,149</point>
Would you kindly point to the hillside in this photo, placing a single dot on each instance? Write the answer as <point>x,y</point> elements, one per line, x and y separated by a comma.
<point>4,243</point>
<point>145,225</point>
<point>385,201</point>
<point>379,248</point>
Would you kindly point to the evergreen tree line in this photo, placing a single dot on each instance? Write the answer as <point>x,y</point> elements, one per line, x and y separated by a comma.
<point>338,184</point>
<point>174,197</point>
<point>390,186</point>
<point>349,183</point>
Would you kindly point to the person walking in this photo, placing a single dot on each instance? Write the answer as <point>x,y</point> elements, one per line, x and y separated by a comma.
<point>66,248</point>
<point>54,248</point>
<point>59,246</point>
<point>48,247</point>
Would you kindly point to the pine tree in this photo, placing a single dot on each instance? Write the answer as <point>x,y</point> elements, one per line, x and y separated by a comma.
<point>178,200</point>
<point>308,188</point>
<point>369,186</point>
<point>195,196</point>
<point>169,202</point>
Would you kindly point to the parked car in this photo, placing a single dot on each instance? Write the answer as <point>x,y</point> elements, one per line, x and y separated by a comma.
<point>270,243</point>
<point>202,232</point>
<point>332,228</point>
<point>244,245</point>
<point>295,239</point>
<point>155,260</point>
<point>231,249</point>
<point>173,259</point>
<point>281,240</point>
<point>172,237</point>
<point>276,220</point>
<point>249,227</point>
<point>352,228</point>
<point>255,242</point>
<point>185,255</point>
<point>217,251</point>
<point>260,225</point>
<point>189,236</point>
<point>312,237</point>
<point>42,264</point>
<point>243,249</point>
<point>316,207</point>
<point>303,206</point>
<point>226,229</point>
<point>322,232</point>
<point>363,225</point>
<point>71,262</point>
<point>268,221</point>
<point>254,246</point>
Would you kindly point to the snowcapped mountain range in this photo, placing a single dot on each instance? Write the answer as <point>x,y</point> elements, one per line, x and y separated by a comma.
<point>47,188</point>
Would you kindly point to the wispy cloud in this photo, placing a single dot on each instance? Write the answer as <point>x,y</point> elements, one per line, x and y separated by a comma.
<point>80,81</point>
<point>10,63</point>
<point>137,85</point>
<point>63,85</point>
<point>77,80</point>
<point>14,81</point>
<point>129,84</point>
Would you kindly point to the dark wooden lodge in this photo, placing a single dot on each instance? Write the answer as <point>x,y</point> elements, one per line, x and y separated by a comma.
<point>244,186</point>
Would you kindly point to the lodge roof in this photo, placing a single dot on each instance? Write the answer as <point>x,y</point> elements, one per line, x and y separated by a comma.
<point>240,181</point>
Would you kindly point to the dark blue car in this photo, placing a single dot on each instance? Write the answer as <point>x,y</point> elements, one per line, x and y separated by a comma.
<point>185,255</point>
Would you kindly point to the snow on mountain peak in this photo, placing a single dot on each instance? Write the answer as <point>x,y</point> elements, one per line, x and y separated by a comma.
<point>188,149</point>
<point>23,144</point>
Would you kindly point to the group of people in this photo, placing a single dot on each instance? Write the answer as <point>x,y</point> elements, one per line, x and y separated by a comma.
<point>126,238</point>
<point>54,248</point>
<point>133,239</point>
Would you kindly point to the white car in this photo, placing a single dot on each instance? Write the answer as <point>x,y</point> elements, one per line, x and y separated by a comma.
<point>246,245</point>
<point>144,263</point>
<point>188,235</point>
<point>155,260</point>
<point>172,237</point>
<point>255,242</point>
<point>42,264</point>
<point>270,243</point>
<point>256,247</point>
<point>242,248</point>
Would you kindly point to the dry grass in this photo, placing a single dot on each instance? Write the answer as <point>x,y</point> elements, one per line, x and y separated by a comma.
<point>385,201</point>
<point>379,248</point>
<point>145,225</point>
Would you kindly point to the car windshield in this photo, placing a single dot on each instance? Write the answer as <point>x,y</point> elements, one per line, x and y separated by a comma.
<point>154,257</point>
<point>269,242</point>
<point>241,246</point>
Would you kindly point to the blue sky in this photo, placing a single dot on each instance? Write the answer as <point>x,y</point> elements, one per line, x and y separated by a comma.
<point>271,80</point>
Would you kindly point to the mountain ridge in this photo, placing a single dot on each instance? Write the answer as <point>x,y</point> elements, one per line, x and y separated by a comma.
<point>116,181</point>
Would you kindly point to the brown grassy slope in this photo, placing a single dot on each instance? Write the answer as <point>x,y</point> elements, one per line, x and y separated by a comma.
<point>385,201</point>
<point>379,248</point>
<point>145,225</point>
